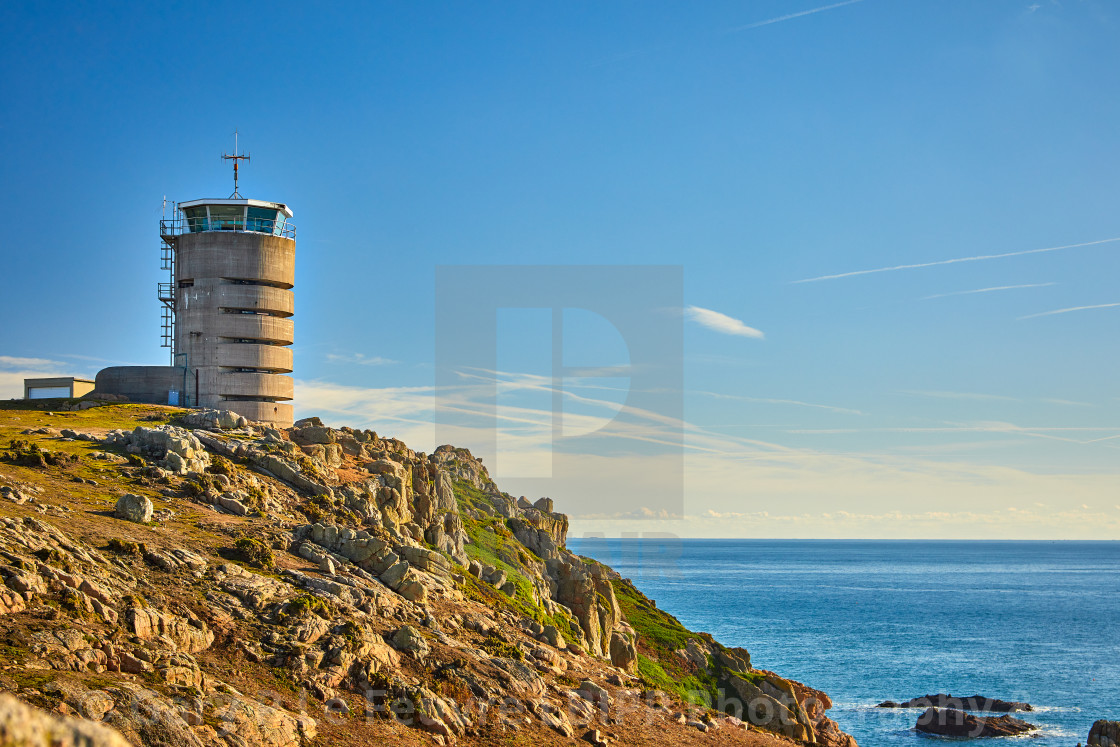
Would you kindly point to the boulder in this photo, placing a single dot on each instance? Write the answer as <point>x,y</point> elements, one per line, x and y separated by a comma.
<point>427,560</point>
<point>1104,734</point>
<point>493,575</point>
<point>190,636</point>
<point>24,726</point>
<point>771,703</point>
<point>551,635</point>
<point>551,716</point>
<point>593,693</point>
<point>91,704</point>
<point>177,449</point>
<point>247,722</point>
<point>212,419</point>
<point>587,592</point>
<point>147,718</point>
<point>543,533</point>
<point>135,508</point>
<point>624,650</point>
<point>314,434</point>
<point>410,640</point>
<point>949,722</point>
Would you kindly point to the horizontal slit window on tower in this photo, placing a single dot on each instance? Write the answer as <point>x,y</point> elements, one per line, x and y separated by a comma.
<point>261,283</point>
<point>186,283</point>
<point>247,398</point>
<point>250,341</point>
<point>255,312</point>
<point>246,311</point>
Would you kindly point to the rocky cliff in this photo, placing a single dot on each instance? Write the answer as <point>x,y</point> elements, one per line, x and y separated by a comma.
<point>192,579</point>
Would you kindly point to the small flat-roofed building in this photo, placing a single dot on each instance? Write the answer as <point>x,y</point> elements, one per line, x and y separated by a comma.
<point>60,387</point>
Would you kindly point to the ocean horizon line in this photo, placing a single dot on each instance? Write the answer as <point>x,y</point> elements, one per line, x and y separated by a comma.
<point>884,540</point>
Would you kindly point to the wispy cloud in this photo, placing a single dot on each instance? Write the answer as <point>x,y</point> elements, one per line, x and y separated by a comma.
<point>791,16</point>
<point>1072,308</point>
<point>718,466</point>
<point>11,361</point>
<point>959,395</point>
<point>14,369</point>
<point>958,260</point>
<point>987,290</point>
<point>1066,434</point>
<point>775,401</point>
<point>722,323</point>
<point>360,359</point>
<point>982,396</point>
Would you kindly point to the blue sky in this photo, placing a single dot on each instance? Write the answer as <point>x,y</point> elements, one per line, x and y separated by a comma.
<point>754,144</point>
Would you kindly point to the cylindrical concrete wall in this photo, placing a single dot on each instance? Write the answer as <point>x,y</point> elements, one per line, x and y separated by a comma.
<point>275,358</point>
<point>233,305</point>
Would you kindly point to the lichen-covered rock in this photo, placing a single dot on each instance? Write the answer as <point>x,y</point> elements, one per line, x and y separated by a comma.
<point>24,726</point>
<point>290,472</point>
<point>91,704</point>
<point>176,449</point>
<point>147,718</point>
<point>771,703</point>
<point>624,650</point>
<point>136,508</point>
<point>588,593</point>
<point>215,419</point>
<point>244,721</point>
<point>190,636</point>
<point>542,533</point>
<point>411,640</point>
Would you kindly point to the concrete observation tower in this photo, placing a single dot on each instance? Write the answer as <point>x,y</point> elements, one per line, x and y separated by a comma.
<point>227,310</point>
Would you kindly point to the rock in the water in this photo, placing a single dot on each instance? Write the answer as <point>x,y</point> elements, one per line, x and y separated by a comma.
<point>972,703</point>
<point>135,508</point>
<point>1104,734</point>
<point>949,722</point>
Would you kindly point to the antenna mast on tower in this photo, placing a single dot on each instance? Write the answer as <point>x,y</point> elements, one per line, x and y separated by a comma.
<point>235,158</point>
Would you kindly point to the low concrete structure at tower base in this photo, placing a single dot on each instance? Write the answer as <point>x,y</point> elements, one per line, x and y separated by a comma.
<point>153,385</point>
<point>179,386</point>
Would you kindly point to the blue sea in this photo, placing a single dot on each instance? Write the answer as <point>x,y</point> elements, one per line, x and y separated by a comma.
<point>868,621</point>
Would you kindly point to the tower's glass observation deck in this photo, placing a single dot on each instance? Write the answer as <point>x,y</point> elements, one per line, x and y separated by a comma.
<point>237,214</point>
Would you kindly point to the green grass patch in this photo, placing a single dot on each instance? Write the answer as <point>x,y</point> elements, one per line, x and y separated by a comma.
<point>123,416</point>
<point>491,543</point>
<point>660,636</point>
<point>656,627</point>
<point>755,678</point>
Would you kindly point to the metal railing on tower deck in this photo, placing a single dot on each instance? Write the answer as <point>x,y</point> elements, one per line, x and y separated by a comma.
<point>170,227</point>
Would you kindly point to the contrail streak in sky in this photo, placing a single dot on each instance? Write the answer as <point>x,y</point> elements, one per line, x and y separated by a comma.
<point>1072,308</point>
<point>791,16</point>
<point>955,261</point>
<point>988,290</point>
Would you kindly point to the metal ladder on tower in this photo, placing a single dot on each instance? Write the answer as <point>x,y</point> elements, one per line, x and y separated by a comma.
<point>165,292</point>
